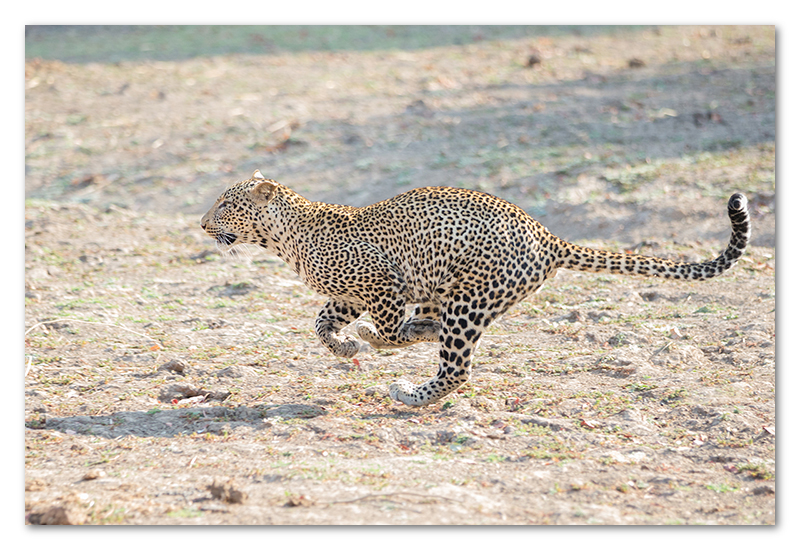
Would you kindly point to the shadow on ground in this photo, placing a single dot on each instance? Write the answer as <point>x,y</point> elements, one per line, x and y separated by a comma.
<point>183,421</point>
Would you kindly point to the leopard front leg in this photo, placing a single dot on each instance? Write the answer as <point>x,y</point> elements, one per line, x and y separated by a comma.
<point>334,316</point>
<point>458,340</point>
<point>423,326</point>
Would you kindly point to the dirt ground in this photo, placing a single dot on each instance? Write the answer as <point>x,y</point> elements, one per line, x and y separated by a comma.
<point>166,383</point>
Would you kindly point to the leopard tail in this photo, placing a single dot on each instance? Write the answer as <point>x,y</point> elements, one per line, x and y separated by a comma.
<point>599,261</point>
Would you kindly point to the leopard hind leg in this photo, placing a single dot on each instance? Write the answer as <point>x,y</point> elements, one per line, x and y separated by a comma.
<point>422,326</point>
<point>458,340</point>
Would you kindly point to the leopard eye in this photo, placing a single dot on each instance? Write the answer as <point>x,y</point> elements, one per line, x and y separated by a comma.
<point>223,204</point>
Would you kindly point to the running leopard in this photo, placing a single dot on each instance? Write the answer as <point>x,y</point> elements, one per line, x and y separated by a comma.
<point>463,257</point>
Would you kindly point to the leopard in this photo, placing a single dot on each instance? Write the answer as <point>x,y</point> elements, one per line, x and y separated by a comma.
<point>458,258</point>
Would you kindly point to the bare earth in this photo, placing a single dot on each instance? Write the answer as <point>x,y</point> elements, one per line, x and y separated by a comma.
<point>168,384</point>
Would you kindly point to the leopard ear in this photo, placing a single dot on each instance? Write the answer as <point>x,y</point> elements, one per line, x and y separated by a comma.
<point>257,175</point>
<point>264,191</point>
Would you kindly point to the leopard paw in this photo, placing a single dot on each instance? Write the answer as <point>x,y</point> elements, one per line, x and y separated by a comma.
<point>348,348</point>
<point>368,333</point>
<point>403,391</point>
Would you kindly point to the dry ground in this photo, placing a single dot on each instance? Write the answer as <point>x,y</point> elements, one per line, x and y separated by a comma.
<point>165,384</point>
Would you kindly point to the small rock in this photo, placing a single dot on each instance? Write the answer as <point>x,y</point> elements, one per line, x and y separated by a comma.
<point>196,400</point>
<point>650,295</point>
<point>215,323</point>
<point>574,316</point>
<point>35,484</point>
<point>380,391</point>
<point>533,60</point>
<point>298,500</point>
<point>625,339</point>
<point>220,395</point>
<point>93,474</point>
<point>58,515</point>
<point>176,365</point>
<point>91,260</point>
<point>178,392</point>
<point>227,492</point>
<point>204,256</point>
<point>555,424</point>
<point>325,401</point>
<point>710,116</point>
<point>635,63</point>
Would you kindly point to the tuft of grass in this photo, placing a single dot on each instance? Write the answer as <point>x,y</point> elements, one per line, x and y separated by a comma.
<point>185,513</point>
<point>721,488</point>
<point>756,471</point>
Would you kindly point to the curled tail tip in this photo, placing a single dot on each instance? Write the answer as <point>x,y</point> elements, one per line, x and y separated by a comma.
<point>740,223</point>
<point>737,203</point>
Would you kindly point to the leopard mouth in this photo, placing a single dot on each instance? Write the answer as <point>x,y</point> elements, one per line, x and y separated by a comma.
<point>226,238</point>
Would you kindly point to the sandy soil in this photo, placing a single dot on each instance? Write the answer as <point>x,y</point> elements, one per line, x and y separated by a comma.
<point>168,384</point>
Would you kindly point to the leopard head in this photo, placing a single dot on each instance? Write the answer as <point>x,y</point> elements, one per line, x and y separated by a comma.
<point>241,215</point>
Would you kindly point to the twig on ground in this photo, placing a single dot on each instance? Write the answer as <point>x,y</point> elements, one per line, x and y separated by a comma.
<point>89,323</point>
<point>383,495</point>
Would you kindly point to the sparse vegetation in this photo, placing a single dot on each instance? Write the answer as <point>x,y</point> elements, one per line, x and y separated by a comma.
<point>164,367</point>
